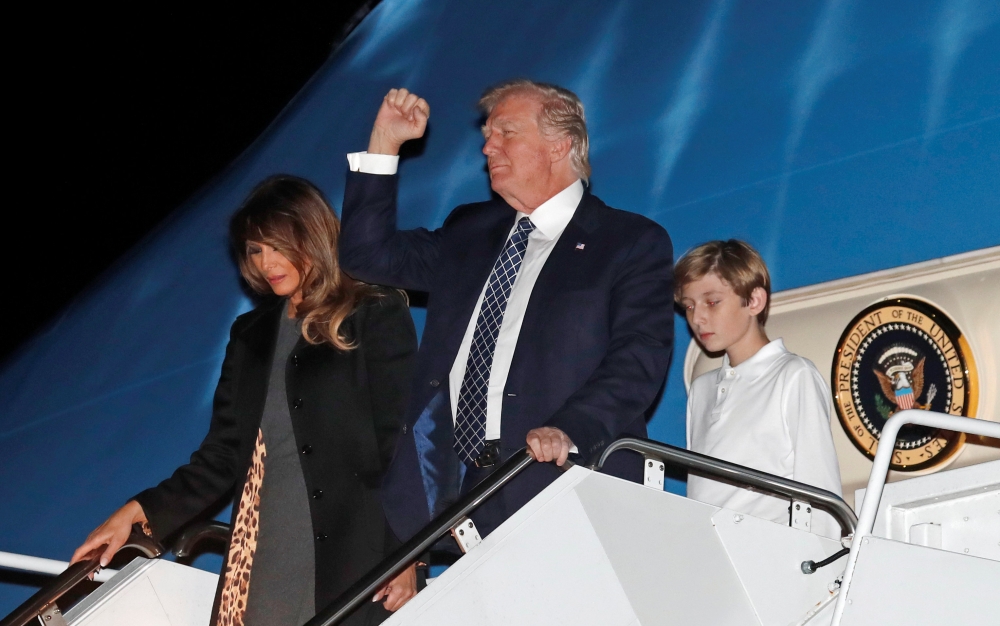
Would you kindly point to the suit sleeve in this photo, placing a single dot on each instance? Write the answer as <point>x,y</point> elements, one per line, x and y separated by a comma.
<point>372,249</point>
<point>632,371</point>
<point>390,346</point>
<point>211,472</point>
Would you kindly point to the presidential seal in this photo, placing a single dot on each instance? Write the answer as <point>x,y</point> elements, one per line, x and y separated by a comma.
<point>903,354</point>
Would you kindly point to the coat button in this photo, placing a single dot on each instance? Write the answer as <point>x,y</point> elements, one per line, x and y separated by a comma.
<point>295,360</point>
<point>404,429</point>
<point>320,536</point>
<point>435,383</point>
<point>307,449</point>
<point>317,494</point>
<point>297,404</point>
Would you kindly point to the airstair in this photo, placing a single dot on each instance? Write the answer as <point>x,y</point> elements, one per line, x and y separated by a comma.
<point>593,549</point>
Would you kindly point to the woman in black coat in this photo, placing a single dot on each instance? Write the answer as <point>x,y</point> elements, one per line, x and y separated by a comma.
<point>304,423</point>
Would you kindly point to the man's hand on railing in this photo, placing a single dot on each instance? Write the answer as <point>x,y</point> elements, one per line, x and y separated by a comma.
<point>113,533</point>
<point>399,590</point>
<point>549,444</point>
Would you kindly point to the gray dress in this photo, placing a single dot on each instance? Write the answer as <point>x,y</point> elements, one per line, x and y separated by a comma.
<point>283,576</point>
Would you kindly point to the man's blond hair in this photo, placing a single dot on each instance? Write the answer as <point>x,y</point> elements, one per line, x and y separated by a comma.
<point>734,261</point>
<point>562,116</point>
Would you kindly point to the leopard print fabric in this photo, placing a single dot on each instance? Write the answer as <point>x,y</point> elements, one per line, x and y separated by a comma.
<point>243,545</point>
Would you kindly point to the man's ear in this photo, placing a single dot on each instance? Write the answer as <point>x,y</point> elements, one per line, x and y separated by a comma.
<point>560,148</point>
<point>758,300</point>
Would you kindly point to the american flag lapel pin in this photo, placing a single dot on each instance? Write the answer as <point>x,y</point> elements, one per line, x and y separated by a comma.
<point>580,246</point>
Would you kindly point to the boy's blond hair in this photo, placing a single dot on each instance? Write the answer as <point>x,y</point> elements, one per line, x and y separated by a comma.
<point>734,261</point>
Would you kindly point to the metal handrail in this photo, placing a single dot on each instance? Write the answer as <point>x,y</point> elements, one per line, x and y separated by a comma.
<point>738,474</point>
<point>194,535</point>
<point>40,566</point>
<point>362,591</point>
<point>76,573</point>
<point>143,543</point>
<point>880,467</point>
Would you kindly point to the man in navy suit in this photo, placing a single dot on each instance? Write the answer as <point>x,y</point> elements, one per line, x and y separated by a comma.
<point>549,317</point>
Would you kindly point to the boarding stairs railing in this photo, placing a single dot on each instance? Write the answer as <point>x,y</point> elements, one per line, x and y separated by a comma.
<point>454,520</point>
<point>42,608</point>
<point>877,478</point>
<point>738,475</point>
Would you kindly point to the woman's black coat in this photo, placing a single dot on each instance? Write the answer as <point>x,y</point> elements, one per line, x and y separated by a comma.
<point>346,409</point>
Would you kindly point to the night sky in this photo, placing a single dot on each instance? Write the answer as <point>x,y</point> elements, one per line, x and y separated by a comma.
<point>121,115</point>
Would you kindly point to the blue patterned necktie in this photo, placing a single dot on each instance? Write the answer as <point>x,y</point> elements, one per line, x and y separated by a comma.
<point>470,420</point>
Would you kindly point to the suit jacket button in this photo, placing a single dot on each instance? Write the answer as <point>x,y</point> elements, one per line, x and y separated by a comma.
<point>295,360</point>
<point>404,429</point>
<point>435,383</point>
<point>297,404</point>
<point>317,494</point>
<point>320,536</point>
<point>307,449</point>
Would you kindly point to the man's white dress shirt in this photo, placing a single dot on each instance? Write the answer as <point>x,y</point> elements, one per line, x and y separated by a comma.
<point>550,220</point>
<point>771,413</point>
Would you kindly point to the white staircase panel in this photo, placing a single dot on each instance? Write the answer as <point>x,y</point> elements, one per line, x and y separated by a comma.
<point>664,549</point>
<point>966,522</point>
<point>899,583</point>
<point>136,604</point>
<point>544,565</point>
<point>592,549</point>
<point>151,593</point>
<point>820,615</point>
<point>768,558</point>
<point>964,504</point>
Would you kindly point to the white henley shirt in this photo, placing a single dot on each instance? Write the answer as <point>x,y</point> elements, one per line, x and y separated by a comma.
<point>771,413</point>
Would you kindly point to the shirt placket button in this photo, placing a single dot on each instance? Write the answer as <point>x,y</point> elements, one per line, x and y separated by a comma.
<point>728,388</point>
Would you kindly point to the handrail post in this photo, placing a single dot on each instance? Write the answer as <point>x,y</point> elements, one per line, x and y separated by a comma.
<point>880,468</point>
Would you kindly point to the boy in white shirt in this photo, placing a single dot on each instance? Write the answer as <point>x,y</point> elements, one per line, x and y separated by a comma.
<point>765,408</point>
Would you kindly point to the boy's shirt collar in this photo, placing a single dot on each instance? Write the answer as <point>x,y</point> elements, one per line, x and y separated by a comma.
<point>755,365</point>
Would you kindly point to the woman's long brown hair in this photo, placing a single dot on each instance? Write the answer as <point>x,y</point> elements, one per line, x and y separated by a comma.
<point>291,215</point>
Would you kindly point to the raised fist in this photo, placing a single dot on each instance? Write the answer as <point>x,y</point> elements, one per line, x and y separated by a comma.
<point>402,116</point>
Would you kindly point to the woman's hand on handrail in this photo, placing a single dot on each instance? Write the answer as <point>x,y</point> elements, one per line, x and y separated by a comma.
<point>399,590</point>
<point>113,533</point>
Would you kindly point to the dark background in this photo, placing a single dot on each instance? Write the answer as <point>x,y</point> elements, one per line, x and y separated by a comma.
<point>121,115</point>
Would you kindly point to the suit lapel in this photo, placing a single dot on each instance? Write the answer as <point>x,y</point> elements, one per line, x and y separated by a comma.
<point>569,253</point>
<point>566,262</point>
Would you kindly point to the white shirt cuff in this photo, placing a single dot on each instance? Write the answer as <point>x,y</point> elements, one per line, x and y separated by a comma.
<point>383,164</point>
<point>574,450</point>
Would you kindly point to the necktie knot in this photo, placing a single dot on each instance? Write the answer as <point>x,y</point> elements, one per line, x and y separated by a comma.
<point>524,228</point>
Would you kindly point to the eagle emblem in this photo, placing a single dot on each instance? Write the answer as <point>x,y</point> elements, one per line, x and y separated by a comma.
<point>900,372</point>
<point>898,354</point>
